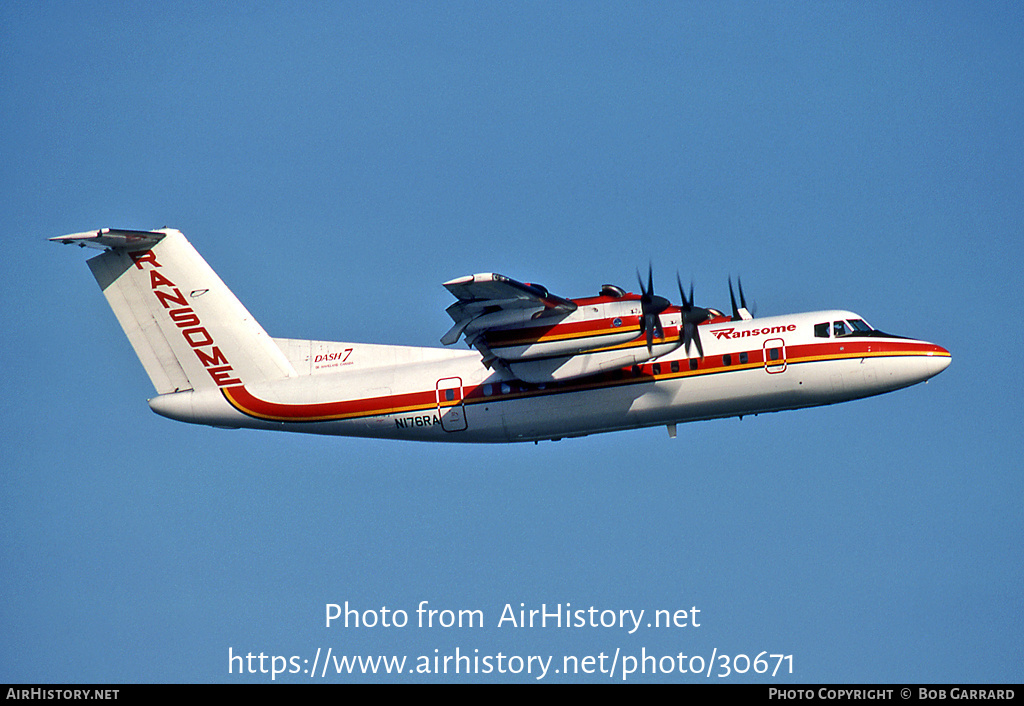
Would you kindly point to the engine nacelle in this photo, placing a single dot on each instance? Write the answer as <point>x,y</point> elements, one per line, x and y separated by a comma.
<point>561,339</point>
<point>599,336</point>
<point>540,370</point>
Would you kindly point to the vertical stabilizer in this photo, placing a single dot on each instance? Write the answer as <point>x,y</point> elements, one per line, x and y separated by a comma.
<point>188,329</point>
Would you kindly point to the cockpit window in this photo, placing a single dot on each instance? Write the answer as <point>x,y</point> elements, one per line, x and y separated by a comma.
<point>852,327</point>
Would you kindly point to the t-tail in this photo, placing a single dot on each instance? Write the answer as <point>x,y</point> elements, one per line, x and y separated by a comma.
<point>188,329</point>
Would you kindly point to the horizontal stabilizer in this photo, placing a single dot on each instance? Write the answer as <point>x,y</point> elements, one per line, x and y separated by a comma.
<point>112,238</point>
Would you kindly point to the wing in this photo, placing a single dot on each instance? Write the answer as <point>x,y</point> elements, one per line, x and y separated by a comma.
<point>537,337</point>
<point>489,300</point>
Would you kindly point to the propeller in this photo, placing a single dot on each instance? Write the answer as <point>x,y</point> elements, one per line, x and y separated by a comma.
<point>740,313</point>
<point>692,316</point>
<point>651,306</point>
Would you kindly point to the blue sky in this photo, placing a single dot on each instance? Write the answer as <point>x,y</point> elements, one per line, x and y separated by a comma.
<point>335,162</point>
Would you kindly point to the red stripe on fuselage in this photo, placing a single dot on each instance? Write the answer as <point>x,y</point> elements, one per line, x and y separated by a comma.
<point>833,349</point>
<point>247,403</point>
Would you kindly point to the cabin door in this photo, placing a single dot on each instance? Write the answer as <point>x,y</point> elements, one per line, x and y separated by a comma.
<point>451,407</point>
<point>775,355</point>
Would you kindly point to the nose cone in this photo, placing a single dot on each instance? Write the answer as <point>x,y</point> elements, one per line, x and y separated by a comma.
<point>927,361</point>
<point>913,362</point>
<point>942,360</point>
<point>937,360</point>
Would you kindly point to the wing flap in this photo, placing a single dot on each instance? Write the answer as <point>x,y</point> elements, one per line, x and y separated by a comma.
<point>505,292</point>
<point>488,299</point>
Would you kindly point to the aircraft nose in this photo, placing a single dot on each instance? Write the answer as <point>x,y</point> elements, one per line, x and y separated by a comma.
<point>938,360</point>
<point>917,362</point>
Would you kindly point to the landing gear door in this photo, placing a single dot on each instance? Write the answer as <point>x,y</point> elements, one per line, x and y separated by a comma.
<point>451,406</point>
<point>775,356</point>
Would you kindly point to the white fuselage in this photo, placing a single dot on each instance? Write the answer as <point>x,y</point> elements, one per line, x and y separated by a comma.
<point>429,394</point>
<point>542,367</point>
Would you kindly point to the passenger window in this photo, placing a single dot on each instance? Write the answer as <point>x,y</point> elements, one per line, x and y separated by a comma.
<point>726,359</point>
<point>744,357</point>
<point>657,368</point>
<point>675,366</point>
<point>693,363</point>
<point>773,353</point>
<point>821,330</point>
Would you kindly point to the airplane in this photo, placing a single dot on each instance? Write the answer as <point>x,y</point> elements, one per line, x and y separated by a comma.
<point>538,366</point>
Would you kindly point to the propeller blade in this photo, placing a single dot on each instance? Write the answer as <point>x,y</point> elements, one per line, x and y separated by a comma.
<point>692,317</point>
<point>651,307</point>
<point>739,313</point>
<point>732,298</point>
<point>696,339</point>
